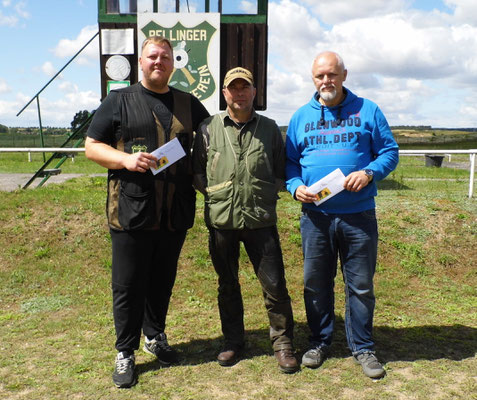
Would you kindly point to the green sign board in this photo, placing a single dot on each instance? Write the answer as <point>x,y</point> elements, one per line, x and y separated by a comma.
<point>191,48</point>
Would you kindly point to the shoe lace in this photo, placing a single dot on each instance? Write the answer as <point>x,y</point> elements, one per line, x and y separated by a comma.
<point>315,351</point>
<point>162,344</point>
<point>369,359</point>
<point>122,364</point>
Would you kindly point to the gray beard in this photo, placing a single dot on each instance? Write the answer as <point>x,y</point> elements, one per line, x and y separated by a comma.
<point>328,96</point>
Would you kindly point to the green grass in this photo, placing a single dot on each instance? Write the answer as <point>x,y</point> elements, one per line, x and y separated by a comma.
<point>55,302</point>
<point>31,140</point>
<point>19,163</point>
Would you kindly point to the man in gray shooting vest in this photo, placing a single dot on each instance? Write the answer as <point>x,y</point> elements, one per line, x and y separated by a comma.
<point>239,161</point>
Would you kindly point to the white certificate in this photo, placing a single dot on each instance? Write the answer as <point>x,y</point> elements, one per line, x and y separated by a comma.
<point>117,41</point>
<point>327,186</point>
<point>168,154</point>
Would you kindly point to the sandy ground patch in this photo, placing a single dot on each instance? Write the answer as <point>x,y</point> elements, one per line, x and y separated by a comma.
<point>11,182</point>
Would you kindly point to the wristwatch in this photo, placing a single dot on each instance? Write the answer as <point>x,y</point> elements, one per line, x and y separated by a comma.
<point>369,173</point>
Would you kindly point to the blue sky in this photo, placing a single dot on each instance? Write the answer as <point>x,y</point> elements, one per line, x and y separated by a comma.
<point>416,59</point>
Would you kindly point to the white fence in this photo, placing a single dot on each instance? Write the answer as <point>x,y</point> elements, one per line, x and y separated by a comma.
<point>70,150</point>
<point>66,150</point>
<point>471,152</point>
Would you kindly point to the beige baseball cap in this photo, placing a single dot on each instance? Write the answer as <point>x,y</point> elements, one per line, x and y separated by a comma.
<point>238,73</point>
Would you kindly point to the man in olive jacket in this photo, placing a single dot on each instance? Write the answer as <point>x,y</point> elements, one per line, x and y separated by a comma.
<point>239,162</point>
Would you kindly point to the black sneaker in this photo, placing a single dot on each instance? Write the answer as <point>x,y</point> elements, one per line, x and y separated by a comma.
<point>372,368</point>
<point>314,357</point>
<point>159,347</point>
<point>124,375</point>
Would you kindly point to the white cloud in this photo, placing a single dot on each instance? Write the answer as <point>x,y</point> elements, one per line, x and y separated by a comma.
<point>294,36</point>
<point>67,48</point>
<point>48,69</point>
<point>62,111</point>
<point>58,112</point>
<point>399,57</point>
<point>394,46</point>
<point>8,20</point>
<point>4,88</point>
<point>20,8</point>
<point>248,7</point>
<point>83,100</point>
<point>468,110</point>
<point>286,93</point>
<point>68,87</point>
<point>144,6</point>
<point>420,67</point>
<point>336,11</point>
<point>7,109</point>
<point>398,97</point>
<point>465,11</point>
<point>19,12</point>
<point>54,112</point>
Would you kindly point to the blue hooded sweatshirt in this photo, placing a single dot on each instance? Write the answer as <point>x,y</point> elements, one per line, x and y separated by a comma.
<point>352,136</point>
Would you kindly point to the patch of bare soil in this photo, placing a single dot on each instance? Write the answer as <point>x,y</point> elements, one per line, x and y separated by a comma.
<point>11,182</point>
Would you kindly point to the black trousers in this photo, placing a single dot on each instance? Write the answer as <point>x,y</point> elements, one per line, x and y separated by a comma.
<point>263,248</point>
<point>143,275</point>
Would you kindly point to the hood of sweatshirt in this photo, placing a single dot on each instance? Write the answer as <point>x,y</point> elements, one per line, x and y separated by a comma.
<point>336,110</point>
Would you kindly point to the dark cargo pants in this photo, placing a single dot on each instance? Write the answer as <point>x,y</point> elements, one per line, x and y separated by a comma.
<point>263,248</point>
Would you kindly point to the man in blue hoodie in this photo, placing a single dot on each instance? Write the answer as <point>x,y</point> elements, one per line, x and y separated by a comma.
<point>337,129</point>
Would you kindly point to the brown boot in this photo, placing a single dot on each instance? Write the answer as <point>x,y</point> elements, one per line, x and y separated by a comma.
<point>228,356</point>
<point>287,361</point>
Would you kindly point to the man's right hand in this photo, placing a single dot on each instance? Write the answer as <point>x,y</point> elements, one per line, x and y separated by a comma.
<point>111,158</point>
<point>302,194</point>
<point>140,162</point>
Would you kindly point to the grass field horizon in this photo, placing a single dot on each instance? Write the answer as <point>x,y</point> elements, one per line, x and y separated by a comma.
<point>55,300</point>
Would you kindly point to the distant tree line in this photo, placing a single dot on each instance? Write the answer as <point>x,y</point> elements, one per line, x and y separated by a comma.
<point>47,130</point>
<point>457,129</point>
<point>79,119</point>
<point>81,116</point>
<point>284,128</point>
<point>428,127</point>
<point>413,127</point>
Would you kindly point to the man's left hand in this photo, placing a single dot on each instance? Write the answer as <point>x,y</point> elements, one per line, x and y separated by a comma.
<point>356,181</point>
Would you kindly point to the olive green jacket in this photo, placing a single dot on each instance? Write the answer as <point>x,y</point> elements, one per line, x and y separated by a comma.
<point>239,171</point>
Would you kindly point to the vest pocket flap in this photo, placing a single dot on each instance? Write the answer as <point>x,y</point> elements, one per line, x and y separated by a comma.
<point>220,191</point>
<point>265,191</point>
<point>219,205</point>
<point>136,208</point>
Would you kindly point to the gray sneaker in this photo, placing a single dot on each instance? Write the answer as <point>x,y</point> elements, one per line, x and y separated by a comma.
<point>160,348</point>
<point>124,375</point>
<point>314,357</point>
<point>370,364</point>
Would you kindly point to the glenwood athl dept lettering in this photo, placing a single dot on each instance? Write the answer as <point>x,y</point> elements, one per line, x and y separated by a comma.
<point>332,137</point>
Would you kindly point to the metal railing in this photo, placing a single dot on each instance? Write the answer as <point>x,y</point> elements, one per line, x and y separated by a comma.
<point>66,150</point>
<point>471,152</point>
<point>37,96</point>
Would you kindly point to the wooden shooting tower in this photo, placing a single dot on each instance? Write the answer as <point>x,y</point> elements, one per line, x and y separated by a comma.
<point>243,42</point>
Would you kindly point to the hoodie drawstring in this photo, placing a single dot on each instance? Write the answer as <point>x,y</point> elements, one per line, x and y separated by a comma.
<point>338,119</point>
<point>322,120</point>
